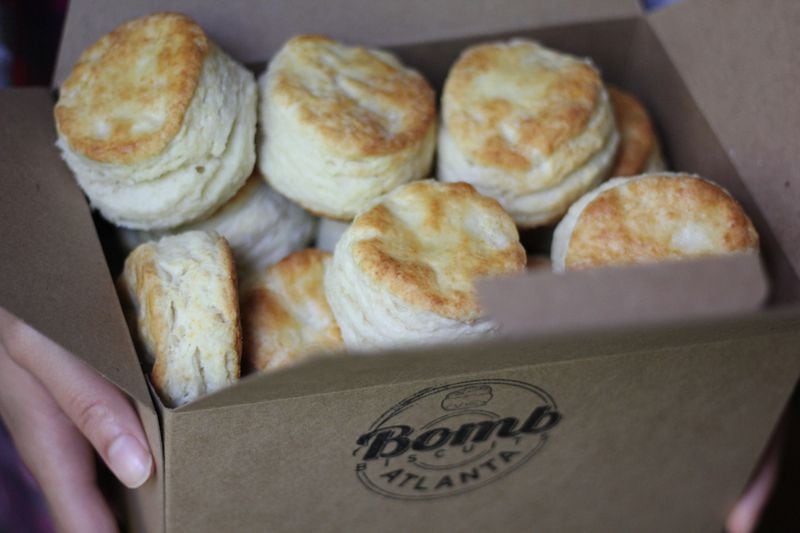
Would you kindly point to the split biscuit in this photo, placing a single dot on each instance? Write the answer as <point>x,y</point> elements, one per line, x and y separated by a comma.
<point>182,300</point>
<point>639,151</point>
<point>285,315</point>
<point>261,227</point>
<point>343,125</point>
<point>652,217</point>
<point>157,123</point>
<point>528,126</point>
<point>404,271</point>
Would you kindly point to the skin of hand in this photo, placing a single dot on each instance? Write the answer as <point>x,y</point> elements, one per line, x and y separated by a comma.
<point>58,409</point>
<point>745,514</point>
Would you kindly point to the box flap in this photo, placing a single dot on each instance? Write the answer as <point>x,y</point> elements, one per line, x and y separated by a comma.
<point>251,30</point>
<point>746,86</point>
<point>545,302</point>
<point>323,375</point>
<point>52,271</point>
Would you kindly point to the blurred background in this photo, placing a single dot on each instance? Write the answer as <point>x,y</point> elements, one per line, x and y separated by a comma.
<point>30,31</point>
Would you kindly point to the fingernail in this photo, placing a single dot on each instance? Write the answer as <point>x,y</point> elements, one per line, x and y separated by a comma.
<point>129,461</point>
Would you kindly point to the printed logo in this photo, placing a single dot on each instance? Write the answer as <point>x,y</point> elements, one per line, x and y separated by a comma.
<point>455,438</point>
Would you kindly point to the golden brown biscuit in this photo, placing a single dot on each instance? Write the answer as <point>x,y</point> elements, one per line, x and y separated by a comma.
<point>285,315</point>
<point>528,126</point>
<point>182,294</point>
<point>157,123</point>
<point>404,272</point>
<point>653,217</point>
<point>343,125</point>
<point>126,97</point>
<point>638,145</point>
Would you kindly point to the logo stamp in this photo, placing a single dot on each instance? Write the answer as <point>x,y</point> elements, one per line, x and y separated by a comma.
<point>455,438</point>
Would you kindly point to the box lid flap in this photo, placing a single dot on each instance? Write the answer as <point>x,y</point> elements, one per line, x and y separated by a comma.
<point>328,374</point>
<point>252,30</point>
<point>53,274</point>
<point>738,59</point>
<point>541,302</point>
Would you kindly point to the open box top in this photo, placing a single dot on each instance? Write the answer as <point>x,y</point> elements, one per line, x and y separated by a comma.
<point>58,280</point>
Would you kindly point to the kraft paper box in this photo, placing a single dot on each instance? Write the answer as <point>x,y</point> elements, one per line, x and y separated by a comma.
<point>634,399</point>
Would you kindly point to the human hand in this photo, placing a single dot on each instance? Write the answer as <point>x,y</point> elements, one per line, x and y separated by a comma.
<point>57,409</point>
<point>746,513</point>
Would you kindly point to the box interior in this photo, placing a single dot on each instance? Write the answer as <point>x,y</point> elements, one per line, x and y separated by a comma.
<point>631,56</point>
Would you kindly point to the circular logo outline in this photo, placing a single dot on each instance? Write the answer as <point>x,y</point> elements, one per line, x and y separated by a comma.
<point>409,401</point>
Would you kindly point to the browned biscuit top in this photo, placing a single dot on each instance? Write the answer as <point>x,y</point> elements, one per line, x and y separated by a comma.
<point>637,136</point>
<point>505,102</point>
<point>428,242</point>
<point>285,314</point>
<point>127,95</point>
<point>659,217</point>
<point>361,101</point>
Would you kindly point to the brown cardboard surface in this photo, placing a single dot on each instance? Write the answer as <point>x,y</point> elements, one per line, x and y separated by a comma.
<point>53,274</point>
<point>690,143</point>
<point>739,60</point>
<point>341,373</point>
<point>659,440</point>
<point>252,30</point>
<point>605,297</point>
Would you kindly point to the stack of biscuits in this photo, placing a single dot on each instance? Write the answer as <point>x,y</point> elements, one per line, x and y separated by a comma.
<point>159,127</point>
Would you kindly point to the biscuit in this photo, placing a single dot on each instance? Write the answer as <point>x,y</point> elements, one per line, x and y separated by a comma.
<point>528,126</point>
<point>404,271</point>
<point>639,149</point>
<point>261,227</point>
<point>157,124</point>
<point>285,315</point>
<point>652,217</point>
<point>343,125</point>
<point>329,232</point>
<point>181,292</point>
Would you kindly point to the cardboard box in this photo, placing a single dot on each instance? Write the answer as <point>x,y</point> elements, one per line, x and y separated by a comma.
<point>632,399</point>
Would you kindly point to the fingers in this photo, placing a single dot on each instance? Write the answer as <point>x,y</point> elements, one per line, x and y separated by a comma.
<point>54,451</point>
<point>745,514</point>
<point>95,406</point>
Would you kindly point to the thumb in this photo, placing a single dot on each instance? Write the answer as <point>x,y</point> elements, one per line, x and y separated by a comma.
<point>99,410</point>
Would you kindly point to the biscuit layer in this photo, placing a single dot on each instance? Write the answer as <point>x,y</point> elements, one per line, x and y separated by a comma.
<point>519,119</point>
<point>652,217</point>
<point>285,314</point>
<point>638,148</point>
<point>182,293</point>
<point>404,271</point>
<point>343,125</point>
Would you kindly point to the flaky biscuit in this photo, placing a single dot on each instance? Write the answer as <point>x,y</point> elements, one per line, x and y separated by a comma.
<point>343,125</point>
<point>404,271</point>
<point>157,123</point>
<point>285,315</point>
<point>182,292</point>
<point>261,227</point>
<point>526,125</point>
<point>638,150</point>
<point>652,217</point>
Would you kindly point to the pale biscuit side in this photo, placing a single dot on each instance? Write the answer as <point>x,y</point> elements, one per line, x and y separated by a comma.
<point>183,293</point>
